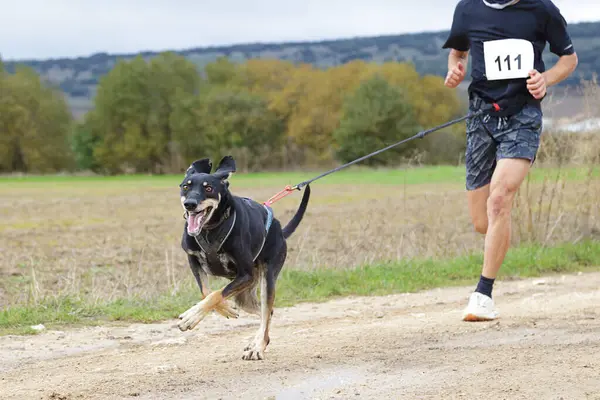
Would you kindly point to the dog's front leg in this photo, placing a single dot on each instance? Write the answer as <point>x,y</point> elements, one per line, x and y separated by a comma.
<point>194,315</point>
<point>202,279</point>
<point>256,349</point>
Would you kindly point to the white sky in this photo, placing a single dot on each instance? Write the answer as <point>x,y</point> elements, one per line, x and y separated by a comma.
<point>69,28</point>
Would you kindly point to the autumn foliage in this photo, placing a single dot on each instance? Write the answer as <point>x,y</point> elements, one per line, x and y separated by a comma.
<point>155,116</point>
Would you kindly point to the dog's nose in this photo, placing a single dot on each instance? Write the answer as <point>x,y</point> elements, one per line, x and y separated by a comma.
<point>190,204</point>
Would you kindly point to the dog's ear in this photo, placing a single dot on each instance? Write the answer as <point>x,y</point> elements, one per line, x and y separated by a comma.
<point>225,168</point>
<point>203,166</point>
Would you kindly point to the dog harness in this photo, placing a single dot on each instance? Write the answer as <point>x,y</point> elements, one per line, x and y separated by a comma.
<point>267,226</point>
<point>269,217</point>
<point>204,240</point>
<point>212,250</point>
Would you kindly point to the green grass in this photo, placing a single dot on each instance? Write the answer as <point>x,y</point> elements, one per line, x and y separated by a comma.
<point>415,275</point>
<point>296,286</point>
<point>352,175</point>
<point>262,179</point>
<point>63,311</point>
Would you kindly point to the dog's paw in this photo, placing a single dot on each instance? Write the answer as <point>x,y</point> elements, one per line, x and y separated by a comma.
<point>226,310</point>
<point>255,351</point>
<point>191,318</point>
<point>253,355</point>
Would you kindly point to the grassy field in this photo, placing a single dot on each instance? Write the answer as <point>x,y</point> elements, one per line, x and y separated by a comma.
<point>349,176</point>
<point>89,249</point>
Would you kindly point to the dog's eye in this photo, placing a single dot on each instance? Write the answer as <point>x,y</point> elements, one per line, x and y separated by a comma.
<point>208,189</point>
<point>185,188</point>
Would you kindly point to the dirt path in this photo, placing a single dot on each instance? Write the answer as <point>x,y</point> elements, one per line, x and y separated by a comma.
<point>545,346</point>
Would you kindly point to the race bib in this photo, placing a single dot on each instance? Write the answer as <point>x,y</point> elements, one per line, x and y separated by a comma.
<point>508,59</point>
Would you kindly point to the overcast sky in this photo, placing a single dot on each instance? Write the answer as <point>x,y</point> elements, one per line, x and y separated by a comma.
<point>70,28</point>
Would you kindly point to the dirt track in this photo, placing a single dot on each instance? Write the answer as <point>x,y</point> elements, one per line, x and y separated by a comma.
<point>545,346</point>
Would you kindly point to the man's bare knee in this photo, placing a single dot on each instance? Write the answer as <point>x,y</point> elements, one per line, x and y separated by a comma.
<point>507,178</point>
<point>500,202</point>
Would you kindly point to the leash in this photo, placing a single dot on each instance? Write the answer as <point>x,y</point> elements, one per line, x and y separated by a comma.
<point>289,189</point>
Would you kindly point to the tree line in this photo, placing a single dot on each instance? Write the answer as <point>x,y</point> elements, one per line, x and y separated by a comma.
<point>78,77</point>
<point>155,116</point>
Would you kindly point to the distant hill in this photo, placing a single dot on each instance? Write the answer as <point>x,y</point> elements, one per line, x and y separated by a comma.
<point>78,77</point>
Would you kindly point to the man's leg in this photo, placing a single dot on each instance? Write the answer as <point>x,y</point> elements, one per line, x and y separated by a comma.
<point>480,163</point>
<point>507,179</point>
<point>518,139</point>
<point>477,200</point>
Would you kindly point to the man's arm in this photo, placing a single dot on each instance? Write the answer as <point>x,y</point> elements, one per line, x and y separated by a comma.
<point>459,45</point>
<point>561,45</point>
<point>564,67</point>
<point>537,84</point>
<point>457,67</point>
<point>455,57</point>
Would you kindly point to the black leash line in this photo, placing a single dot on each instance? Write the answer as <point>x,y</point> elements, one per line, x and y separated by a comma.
<point>419,135</point>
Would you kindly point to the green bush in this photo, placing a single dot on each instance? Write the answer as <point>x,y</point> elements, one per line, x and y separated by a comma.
<point>374,116</point>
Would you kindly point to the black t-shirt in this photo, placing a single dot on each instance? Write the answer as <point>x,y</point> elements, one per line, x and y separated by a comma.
<point>537,21</point>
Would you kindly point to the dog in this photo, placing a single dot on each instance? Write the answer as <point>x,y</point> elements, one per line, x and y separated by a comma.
<point>235,238</point>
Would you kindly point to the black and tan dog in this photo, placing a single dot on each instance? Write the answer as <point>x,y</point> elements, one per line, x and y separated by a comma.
<point>235,238</point>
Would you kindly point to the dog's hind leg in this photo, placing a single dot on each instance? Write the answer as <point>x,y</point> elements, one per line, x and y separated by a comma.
<point>195,314</point>
<point>247,300</point>
<point>256,349</point>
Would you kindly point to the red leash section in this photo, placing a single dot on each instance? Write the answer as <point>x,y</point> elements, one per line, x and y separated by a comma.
<point>285,192</point>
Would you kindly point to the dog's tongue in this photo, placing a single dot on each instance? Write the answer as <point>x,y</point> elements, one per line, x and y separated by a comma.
<point>194,221</point>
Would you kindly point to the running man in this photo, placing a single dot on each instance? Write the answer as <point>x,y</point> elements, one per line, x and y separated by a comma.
<point>506,39</point>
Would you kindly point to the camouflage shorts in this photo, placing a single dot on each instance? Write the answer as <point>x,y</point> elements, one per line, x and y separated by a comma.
<point>491,138</point>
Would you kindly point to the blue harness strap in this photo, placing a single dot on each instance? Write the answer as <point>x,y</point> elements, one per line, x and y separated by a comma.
<point>268,223</point>
<point>269,220</point>
<point>269,217</point>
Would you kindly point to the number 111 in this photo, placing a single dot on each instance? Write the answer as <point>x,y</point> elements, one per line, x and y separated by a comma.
<point>507,61</point>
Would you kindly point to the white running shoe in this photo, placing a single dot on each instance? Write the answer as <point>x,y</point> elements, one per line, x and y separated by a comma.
<point>480,308</point>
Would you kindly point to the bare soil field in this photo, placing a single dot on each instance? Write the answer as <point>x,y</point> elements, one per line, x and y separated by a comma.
<point>119,239</point>
<point>546,345</point>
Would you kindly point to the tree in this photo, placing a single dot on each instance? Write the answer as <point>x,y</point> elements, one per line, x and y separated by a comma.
<point>434,105</point>
<point>375,116</point>
<point>132,119</point>
<point>188,127</point>
<point>232,122</point>
<point>83,143</point>
<point>220,72</point>
<point>34,123</point>
<point>122,101</point>
<point>265,77</point>
<point>170,76</point>
<point>314,100</point>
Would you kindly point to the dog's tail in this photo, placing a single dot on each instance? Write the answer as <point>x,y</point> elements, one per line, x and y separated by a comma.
<point>297,218</point>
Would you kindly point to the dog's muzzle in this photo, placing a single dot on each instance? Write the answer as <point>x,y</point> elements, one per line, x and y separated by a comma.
<point>198,214</point>
<point>195,221</point>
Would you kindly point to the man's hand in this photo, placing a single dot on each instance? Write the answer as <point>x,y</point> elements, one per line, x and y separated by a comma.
<point>455,76</point>
<point>536,84</point>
